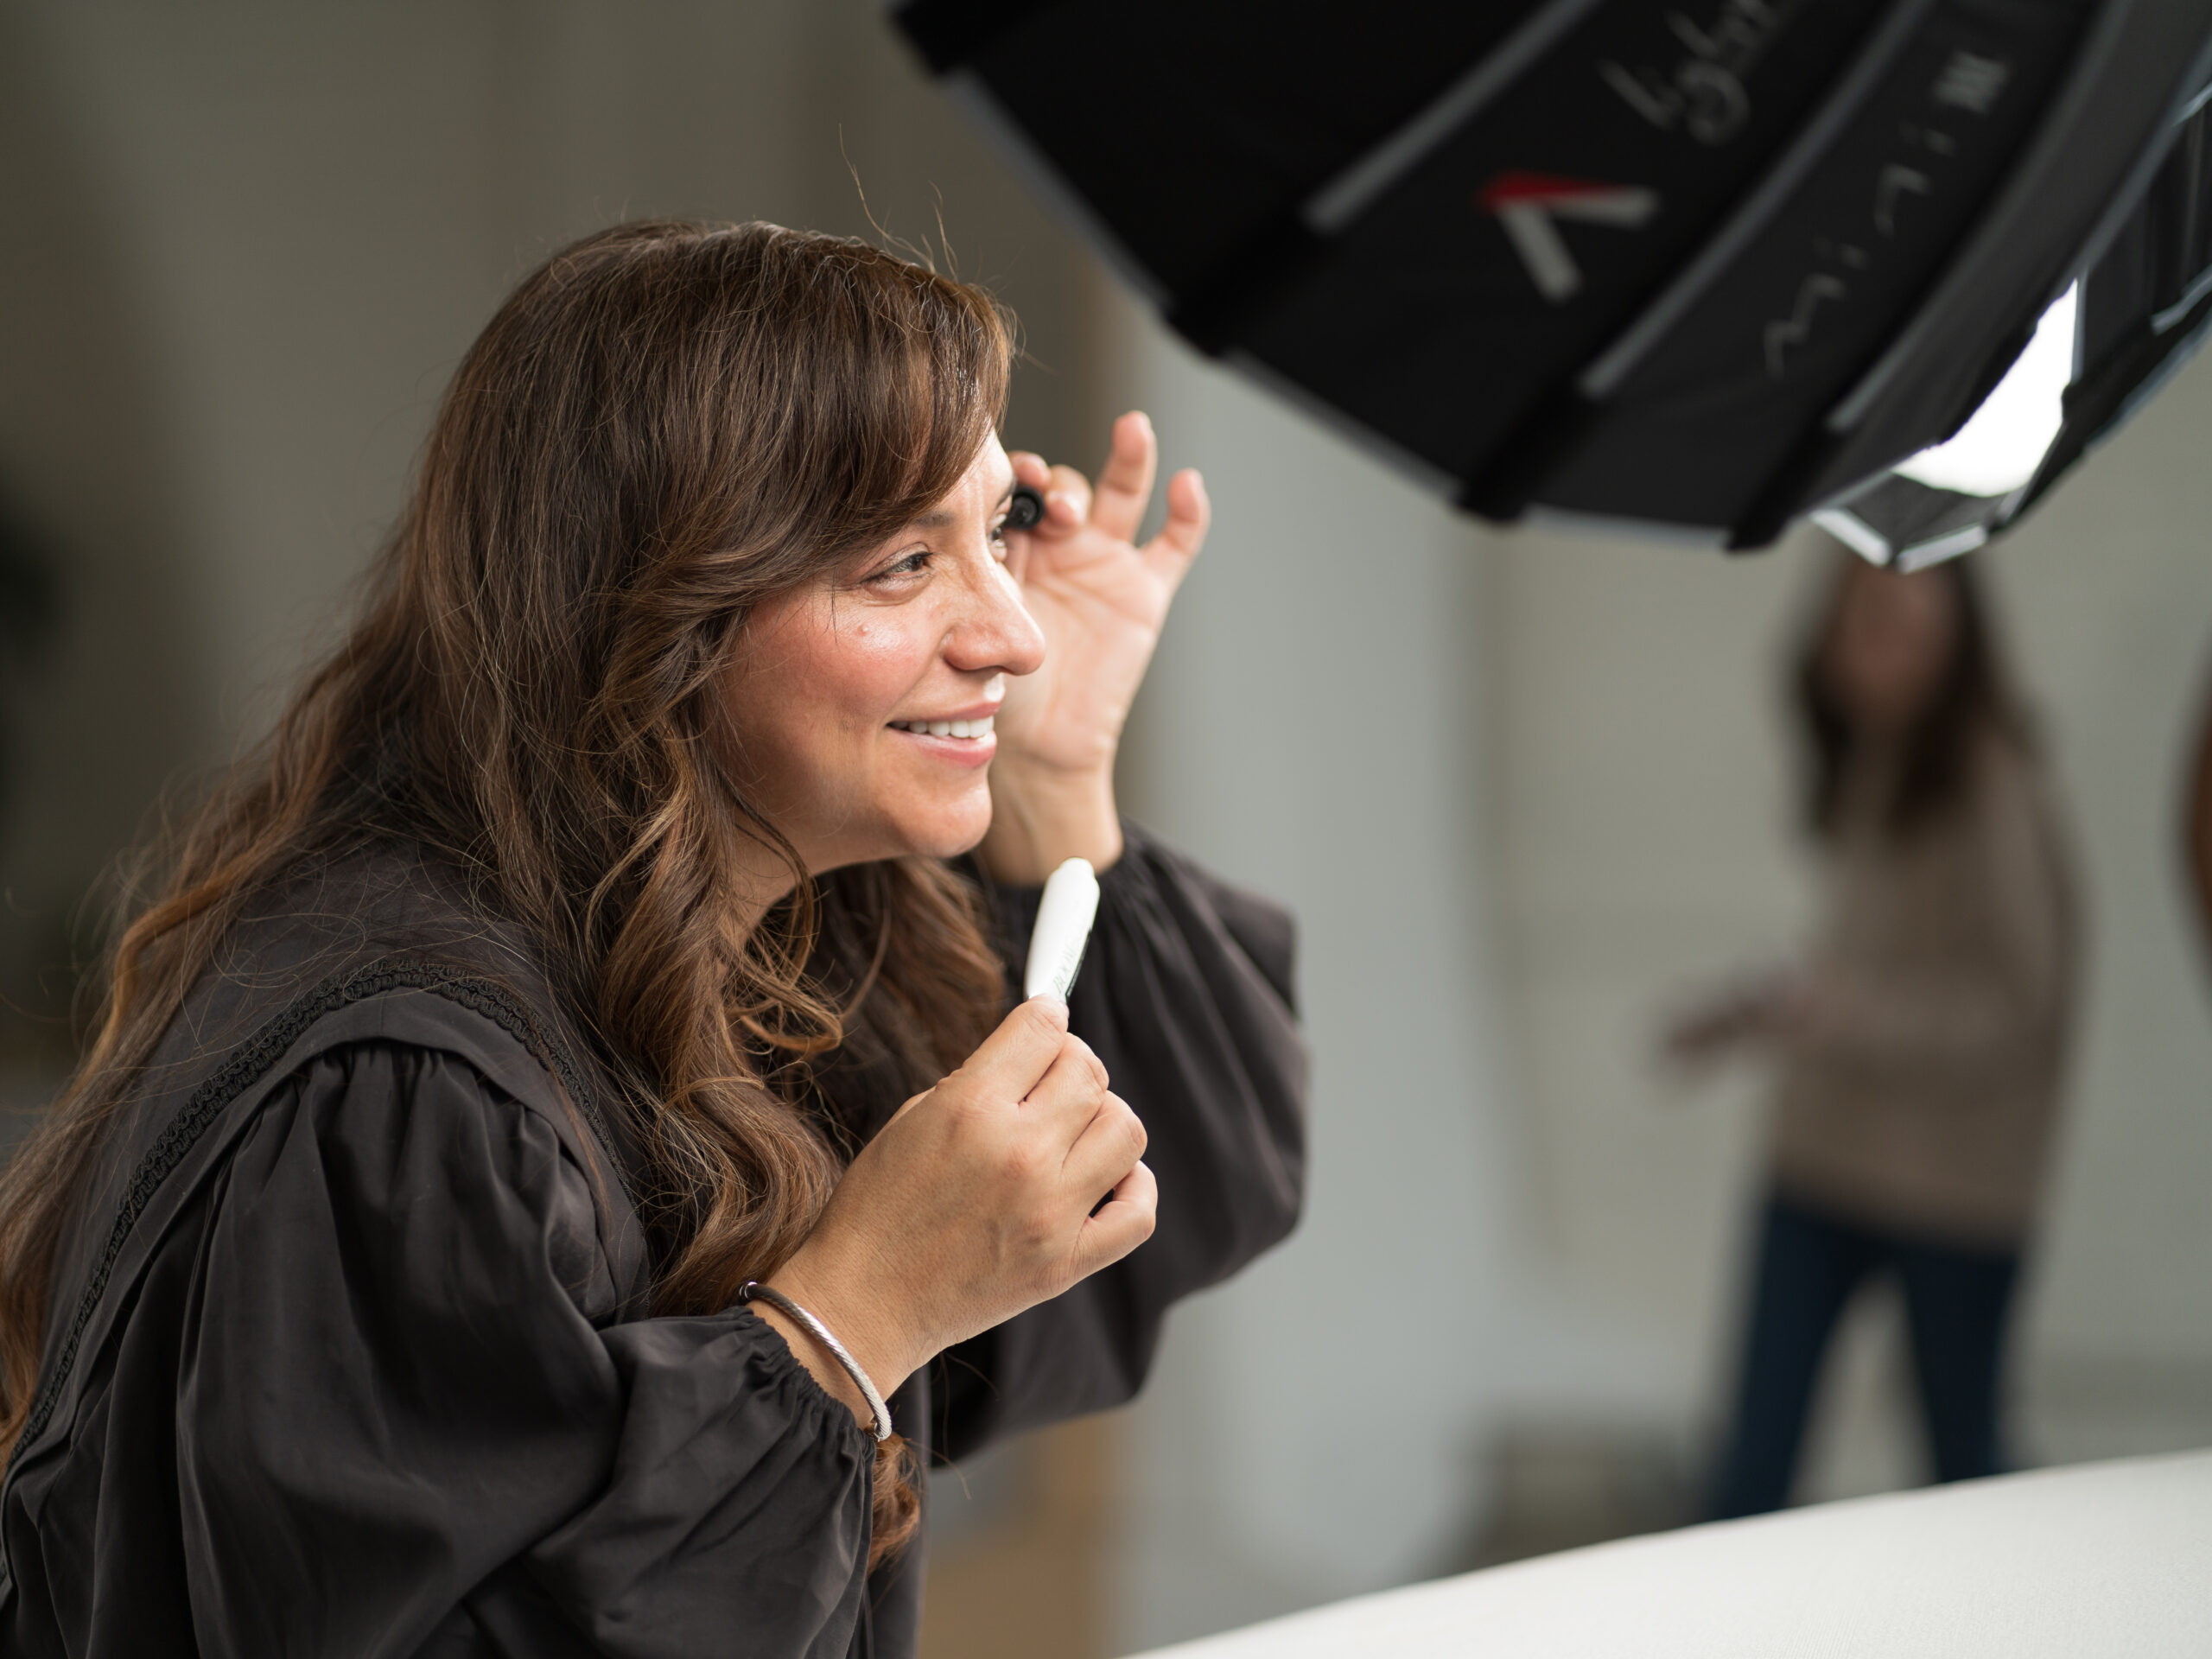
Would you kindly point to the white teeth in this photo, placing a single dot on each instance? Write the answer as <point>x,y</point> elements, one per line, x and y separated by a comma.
<point>947,727</point>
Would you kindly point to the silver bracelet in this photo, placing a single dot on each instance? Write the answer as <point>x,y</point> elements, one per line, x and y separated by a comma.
<point>820,1332</point>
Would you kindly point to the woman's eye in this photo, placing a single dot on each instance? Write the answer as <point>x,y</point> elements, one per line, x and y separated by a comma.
<point>912,565</point>
<point>998,539</point>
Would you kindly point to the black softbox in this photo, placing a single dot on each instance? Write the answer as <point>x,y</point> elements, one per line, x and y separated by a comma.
<point>1700,269</point>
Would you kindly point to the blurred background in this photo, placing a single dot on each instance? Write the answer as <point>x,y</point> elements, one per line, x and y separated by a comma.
<point>1522,789</point>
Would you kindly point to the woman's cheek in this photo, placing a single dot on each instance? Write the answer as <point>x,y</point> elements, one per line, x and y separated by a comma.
<point>883,659</point>
<point>881,662</point>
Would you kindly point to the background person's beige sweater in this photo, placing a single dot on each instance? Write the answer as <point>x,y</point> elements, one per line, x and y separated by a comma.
<point>1920,1053</point>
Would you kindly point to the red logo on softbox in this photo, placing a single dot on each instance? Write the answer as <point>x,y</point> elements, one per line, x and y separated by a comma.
<point>1526,204</point>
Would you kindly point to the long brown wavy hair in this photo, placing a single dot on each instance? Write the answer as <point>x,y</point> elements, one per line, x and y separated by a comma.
<point>666,424</point>
<point>1973,698</point>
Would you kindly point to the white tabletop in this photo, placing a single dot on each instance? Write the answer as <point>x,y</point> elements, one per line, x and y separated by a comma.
<point>2109,1557</point>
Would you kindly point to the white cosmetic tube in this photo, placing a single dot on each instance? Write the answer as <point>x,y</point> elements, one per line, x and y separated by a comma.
<point>1064,919</point>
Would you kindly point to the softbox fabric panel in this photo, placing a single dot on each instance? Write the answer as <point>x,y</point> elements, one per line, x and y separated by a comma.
<point>2141,310</point>
<point>2145,305</point>
<point>1446,308</point>
<point>1700,268</point>
<point>1708,421</point>
<point>2085,171</point>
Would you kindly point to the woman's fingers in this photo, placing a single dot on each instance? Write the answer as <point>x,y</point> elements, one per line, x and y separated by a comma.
<point>1071,1088</point>
<point>1120,1224</point>
<point>1189,513</point>
<point>1110,1142</point>
<point>1125,481</point>
<point>990,1182</point>
<point>1067,501</point>
<point>1013,1060</point>
<point>1116,505</point>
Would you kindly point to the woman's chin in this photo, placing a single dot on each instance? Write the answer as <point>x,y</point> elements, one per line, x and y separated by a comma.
<point>949,831</point>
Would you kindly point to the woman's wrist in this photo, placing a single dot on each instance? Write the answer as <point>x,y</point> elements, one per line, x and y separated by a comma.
<point>1041,817</point>
<point>866,1336</point>
<point>831,1376</point>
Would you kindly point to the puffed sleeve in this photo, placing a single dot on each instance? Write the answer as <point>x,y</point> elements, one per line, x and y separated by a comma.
<point>1187,995</point>
<point>414,1418</point>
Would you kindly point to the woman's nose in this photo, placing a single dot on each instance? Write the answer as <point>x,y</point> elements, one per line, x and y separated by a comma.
<point>996,630</point>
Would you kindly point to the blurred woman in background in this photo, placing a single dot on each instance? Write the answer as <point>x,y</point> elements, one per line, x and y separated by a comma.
<point>1918,1045</point>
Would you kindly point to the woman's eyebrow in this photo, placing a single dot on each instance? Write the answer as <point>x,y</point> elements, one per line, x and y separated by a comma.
<point>938,518</point>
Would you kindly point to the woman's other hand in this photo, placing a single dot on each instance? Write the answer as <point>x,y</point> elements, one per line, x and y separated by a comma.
<point>1100,600</point>
<point>1013,1178</point>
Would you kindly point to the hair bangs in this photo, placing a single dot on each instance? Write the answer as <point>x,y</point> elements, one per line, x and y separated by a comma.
<point>910,375</point>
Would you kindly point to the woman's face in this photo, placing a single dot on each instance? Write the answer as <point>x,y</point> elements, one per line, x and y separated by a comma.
<point>862,705</point>
<point>1890,646</point>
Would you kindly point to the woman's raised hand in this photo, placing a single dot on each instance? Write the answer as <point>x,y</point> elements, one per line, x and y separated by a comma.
<point>974,1202</point>
<point>1100,599</point>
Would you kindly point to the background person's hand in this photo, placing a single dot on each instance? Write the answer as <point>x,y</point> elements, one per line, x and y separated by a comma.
<point>1100,600</point>
<point>973,1204</point>
<point>1747,1012</point>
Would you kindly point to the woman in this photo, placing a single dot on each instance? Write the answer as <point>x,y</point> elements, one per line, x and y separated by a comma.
<point>1919,1046</point>
<point>558,972</point>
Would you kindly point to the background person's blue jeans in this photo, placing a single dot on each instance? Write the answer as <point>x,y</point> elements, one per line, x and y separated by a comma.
<point>1808,1265</point>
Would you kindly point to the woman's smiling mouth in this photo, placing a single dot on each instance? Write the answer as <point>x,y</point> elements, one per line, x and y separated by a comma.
<point>971,733</point>
<point>962,744</point>
<point>967,738</point>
